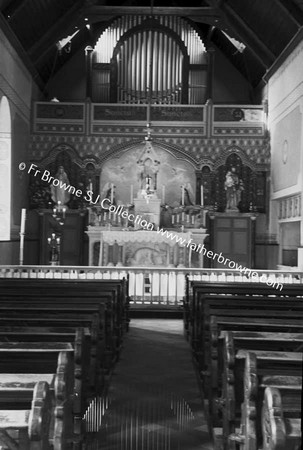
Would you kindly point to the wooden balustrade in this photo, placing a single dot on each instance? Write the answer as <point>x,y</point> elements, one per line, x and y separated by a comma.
<point>153,285</point>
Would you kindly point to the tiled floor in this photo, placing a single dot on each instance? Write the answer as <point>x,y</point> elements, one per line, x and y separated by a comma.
<point>154,399</point>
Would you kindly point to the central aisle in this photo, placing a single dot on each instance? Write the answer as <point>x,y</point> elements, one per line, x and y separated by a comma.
<point>154,398</point>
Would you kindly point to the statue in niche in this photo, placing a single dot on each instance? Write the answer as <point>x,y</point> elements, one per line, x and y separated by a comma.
<point>233,186</point>
<point>60,195</point>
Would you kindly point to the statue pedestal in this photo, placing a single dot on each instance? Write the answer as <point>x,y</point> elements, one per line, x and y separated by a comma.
<point>148,208</point>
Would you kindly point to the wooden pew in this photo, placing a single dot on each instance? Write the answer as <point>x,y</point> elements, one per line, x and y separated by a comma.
<point>42,358</point>
<point>270,364</point>
<point>111,293</point>
<point>232,341</point>
<point>29,428</point>
<point>241,306</point>
<point>281,419</point>
<point>196,289</point>
<point>262,419</point>
<point>16,391</point>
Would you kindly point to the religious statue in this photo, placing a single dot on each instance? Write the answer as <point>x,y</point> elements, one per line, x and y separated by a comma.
<point>148,175</point>
<point>60,195</point>
<point>234,187</point>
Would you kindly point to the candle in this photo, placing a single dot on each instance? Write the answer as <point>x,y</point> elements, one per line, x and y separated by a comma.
<point>23,216</point>
<point>188,218</point>
<point>163,194</point>
<point>183,217</point>
<point>112,193</point>
<point>182,195</point>
<point>172,219</point>
<point>131,194</point>
<point>177,218</point>
<point>202,195</point>
<point>105,217</point>
<point>192,220</point>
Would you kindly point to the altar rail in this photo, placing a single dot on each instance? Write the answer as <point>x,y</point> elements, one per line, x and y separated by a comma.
<point>156,285</point>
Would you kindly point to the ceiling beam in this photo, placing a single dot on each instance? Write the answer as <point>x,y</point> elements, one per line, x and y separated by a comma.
<point>294,9</point>
<point>61,28</point>
<point>96,13</point>
<point>244,33</point>
<point>286,11</point>
<point>13,8</point>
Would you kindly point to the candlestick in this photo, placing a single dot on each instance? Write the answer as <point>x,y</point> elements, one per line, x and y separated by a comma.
<point>202,195</point>
<point>182,195</point>
<point>23,217</point>
<point>131,194</point>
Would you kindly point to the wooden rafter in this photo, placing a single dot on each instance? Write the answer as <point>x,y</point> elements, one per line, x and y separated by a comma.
<point>96,13</point>
<point>60,29</point>
<point>285,10</point>
<point>244,33</point>
<point>13,8</point>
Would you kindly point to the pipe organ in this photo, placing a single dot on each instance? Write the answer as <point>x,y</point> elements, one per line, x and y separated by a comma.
<point>160,59</point>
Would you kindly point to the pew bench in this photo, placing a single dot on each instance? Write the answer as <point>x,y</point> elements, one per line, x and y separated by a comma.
<point>42,358</point>
<point>259,427</point>
<point>29,428</point>
<point>281,419</point>
<point>196,289</point>
<point>239,384</point>
<point>232,341</point>
<point>242,307</point>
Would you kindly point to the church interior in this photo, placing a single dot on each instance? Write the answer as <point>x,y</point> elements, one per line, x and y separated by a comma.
<point>151,226</point>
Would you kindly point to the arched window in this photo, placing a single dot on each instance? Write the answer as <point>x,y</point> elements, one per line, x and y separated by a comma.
<point>5,169</point>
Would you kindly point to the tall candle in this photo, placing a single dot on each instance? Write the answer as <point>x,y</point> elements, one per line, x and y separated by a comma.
<point>23,216</point>
<point>163,194</point>
<point>131,193</point>
<point>182,195</point>
<point>202,195</point>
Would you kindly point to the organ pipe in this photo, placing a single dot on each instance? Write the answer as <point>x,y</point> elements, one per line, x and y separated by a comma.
<point>136,81</point>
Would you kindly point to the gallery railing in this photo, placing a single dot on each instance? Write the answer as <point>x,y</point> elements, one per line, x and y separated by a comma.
<point>82,118</point>
<point>153,285</point>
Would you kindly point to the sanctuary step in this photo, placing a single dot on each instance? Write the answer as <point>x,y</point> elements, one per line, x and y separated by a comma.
<point>155,311</point>
<point>153,401</point>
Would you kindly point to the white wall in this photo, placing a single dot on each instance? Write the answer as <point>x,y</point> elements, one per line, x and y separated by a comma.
<point>285,102</point>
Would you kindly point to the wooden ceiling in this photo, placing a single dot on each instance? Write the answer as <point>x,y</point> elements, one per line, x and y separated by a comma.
<point>265,27</point>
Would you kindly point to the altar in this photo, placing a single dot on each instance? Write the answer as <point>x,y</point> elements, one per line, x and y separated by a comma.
<point>142,248</point>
